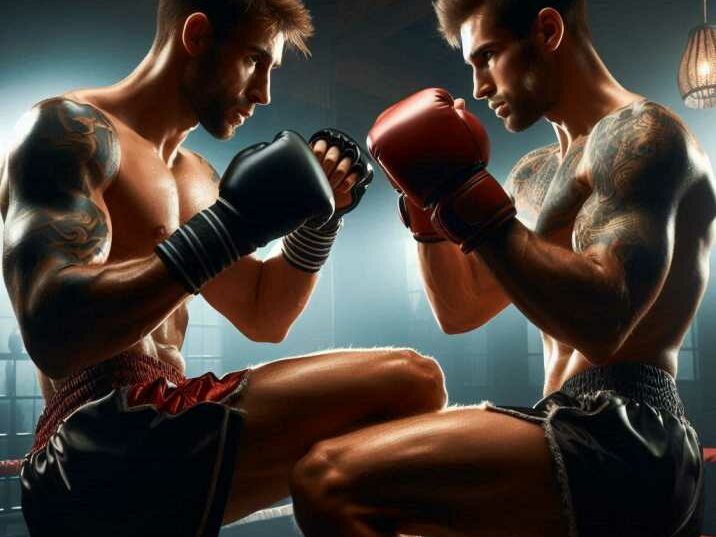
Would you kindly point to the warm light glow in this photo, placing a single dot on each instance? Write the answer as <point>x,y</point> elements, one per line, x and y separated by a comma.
<point>697,70</point>
<point>704,69</point>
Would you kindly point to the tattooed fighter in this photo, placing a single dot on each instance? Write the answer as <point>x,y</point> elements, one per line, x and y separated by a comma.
<point>608,255</point>
<point>111,225</point>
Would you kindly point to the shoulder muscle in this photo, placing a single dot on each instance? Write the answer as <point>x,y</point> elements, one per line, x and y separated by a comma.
<point>62,147</point>
<point>208,168</point>
<point>643,154</point>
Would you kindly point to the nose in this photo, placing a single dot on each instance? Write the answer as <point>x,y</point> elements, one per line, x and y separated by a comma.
<point>483,86</point>
<point>260,89</point>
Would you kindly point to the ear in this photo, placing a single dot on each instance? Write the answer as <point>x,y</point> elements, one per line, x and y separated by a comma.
<point>196,34</point>
<point>549,29</point>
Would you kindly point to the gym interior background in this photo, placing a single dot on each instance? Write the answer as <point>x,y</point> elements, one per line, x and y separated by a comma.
<point>366,55</point>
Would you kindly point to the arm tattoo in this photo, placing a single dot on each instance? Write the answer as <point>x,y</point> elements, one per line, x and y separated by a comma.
<point>69,153</point>
<point>79,237</point>
<point>638,159</point>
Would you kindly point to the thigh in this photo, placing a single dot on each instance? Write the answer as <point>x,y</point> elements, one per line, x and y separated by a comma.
<point>291,404</point>
<point>335,392</point>
<point>464,472</point>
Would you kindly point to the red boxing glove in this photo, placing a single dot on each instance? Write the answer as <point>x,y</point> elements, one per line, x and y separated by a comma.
<point>418,221</point>
<point>436,154</point>
<point>475,209</point>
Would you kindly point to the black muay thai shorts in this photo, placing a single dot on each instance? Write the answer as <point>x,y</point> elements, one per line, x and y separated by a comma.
<point>131,447</point>
<point>627,461</point>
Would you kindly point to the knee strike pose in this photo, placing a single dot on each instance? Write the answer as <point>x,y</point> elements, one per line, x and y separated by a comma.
<point>111,225</point>
<point>601,240</point>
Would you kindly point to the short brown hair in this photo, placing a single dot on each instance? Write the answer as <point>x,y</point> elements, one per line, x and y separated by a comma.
<point>516,16</point>
<point>289,17</point>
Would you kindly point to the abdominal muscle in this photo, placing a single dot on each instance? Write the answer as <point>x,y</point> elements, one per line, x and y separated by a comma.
<point>164,344</point>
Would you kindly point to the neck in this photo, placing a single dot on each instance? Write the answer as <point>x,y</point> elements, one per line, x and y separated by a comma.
<point>150,101</point>
<point>588,92</point>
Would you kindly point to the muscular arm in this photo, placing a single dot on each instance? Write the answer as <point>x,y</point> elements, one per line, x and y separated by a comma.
<point>461,289</point>
<point>73,307</point>
<point>592,297</point>
<point>261,298</point>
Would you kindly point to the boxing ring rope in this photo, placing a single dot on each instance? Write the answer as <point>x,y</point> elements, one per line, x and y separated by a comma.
<point>265,514</point>
<point>11,467</point>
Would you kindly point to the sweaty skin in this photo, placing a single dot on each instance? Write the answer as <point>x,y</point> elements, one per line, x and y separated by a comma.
<point>114,184</point>
<point>97,177</point>
<point>609,257</point>
<point>659,228</point>
<point>123,194</point>
<point>658,225</point>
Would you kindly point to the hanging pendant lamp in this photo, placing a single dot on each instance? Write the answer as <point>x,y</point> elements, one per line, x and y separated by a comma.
<point>697,72</point>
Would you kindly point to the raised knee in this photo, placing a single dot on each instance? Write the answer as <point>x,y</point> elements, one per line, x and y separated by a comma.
<point>317,479</point>
<point>420,376</point>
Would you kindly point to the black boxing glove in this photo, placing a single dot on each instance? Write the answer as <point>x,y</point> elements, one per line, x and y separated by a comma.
<point>267,191</point>
<point>308,247</point>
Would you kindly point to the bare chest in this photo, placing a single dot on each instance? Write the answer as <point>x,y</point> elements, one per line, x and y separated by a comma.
<point>149,200</point>
<point>551,194</point>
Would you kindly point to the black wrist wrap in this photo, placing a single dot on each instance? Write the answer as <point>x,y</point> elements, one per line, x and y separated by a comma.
<point>203,247</point>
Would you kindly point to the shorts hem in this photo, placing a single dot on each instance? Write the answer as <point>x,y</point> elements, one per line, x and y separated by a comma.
<point>561,475</point>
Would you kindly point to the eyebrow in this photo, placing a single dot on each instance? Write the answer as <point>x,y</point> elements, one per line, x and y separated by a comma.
<point>265,53</point>
<point>477,51</point>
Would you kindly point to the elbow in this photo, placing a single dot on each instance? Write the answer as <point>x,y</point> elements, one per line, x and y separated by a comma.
<point>45,335</point>
<point>596,355</point>
<point>448,324</point>
<point>453,324</point>
<point>47,357</point>
<point>601,349</point>
<point>266,333</point>
<point>268,337</point>
<point>452,328</point>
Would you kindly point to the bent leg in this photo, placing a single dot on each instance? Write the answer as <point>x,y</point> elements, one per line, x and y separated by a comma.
<point>289,405</point>
<point>460,472</point>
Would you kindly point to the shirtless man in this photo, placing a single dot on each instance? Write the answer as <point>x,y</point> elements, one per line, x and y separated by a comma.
<point>111,225</point>
<point>608,256</point>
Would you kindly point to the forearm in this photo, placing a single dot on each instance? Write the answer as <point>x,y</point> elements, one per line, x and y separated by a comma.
<point>575,298</point>
<point>283,293</point>
<point>261,298</point>
<point>447,280</point>
<point>86,314</point>
<point>289,277</point>
<point>462,292</point>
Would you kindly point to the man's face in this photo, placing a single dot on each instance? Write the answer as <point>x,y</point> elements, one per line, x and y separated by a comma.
<point>510,73</point>
<point>225,84</point>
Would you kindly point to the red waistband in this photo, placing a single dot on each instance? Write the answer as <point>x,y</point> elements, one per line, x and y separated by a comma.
<point>97,381</point>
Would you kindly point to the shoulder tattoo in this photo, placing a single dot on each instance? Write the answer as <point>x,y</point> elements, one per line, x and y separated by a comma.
<point>638,160</point>
<point>530,178</point>
<point>68,152</point>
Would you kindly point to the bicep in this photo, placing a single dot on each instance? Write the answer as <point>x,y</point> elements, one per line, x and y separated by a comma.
<point>48,238</point>
<point>632,248</point>
<point>639,164</point>
<point>56,215</point>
